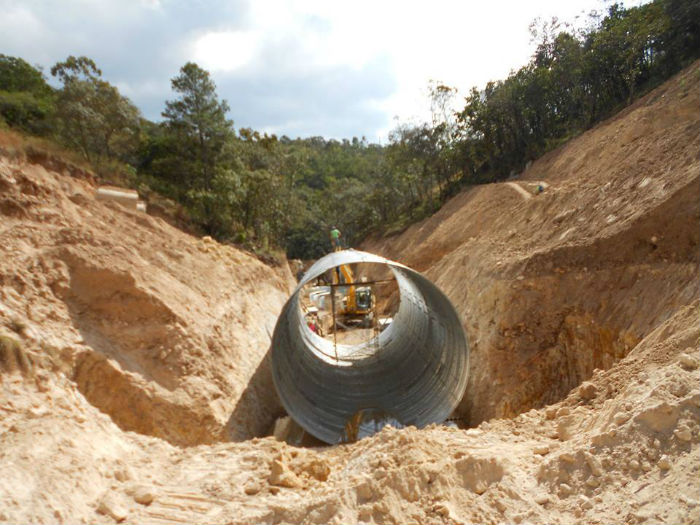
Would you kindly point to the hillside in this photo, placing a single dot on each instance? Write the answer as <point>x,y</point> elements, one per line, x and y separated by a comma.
<point>159,330</point>
<point>552,286</point>
<point>133,377</point>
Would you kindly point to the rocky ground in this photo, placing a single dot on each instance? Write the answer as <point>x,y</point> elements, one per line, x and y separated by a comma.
<point>133,378</point>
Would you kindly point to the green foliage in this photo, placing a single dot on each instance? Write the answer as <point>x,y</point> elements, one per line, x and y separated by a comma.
<point>92,116</point>
<point>197,128</point>
<point>26,111</point>
<point>574,79</point>
<point>268,193</point>
<point>18,75</point>
<point>26,100</point>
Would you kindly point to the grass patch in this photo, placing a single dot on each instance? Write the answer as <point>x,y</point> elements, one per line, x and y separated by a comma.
<point>12,355</point>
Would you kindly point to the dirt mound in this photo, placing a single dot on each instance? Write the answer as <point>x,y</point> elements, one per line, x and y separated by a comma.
<point>158,329</point>
<point>552,286</point>
<point>622,448</point>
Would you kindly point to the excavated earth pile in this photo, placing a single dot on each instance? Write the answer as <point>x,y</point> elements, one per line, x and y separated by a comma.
<point>130,353</point>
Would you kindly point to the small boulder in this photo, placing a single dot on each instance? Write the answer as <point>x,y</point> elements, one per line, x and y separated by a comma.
<point>144,495</point>
<point>541,499</point>
<point>687,361</point>
<point>587,390</point>
<point>252,488</point>
<point>683,433</point>
<point>542,450</point>
<point>281,476</point>
<point>110,507</point>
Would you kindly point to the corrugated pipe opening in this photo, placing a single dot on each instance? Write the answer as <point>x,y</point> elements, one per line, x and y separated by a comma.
<point>415,370</point>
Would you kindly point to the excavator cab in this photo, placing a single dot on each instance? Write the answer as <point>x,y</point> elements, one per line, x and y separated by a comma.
<point>363,298</point>
<point>357,303</point>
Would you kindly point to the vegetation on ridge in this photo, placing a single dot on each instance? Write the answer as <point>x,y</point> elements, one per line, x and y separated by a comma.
<point>270,192</point>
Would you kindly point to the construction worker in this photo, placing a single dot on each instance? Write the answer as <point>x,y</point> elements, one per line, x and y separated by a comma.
<point>312,325</point>
<point>335,239</point>
<point>312,320</point>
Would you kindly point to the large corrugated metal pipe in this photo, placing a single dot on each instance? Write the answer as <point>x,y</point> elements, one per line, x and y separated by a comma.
<point>414,371</point>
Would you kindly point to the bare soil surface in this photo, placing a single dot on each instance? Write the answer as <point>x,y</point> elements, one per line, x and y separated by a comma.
<point>133,377</point>
<point>159,330</point>
<point>554,286</point>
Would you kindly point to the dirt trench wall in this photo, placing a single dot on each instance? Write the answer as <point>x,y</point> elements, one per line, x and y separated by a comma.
<point>535,340</point>
<point>164,332</point>
<point>573,310</point>
<point>551,287</point>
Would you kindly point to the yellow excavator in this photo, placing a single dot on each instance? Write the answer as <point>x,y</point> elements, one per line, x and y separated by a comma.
<point>357,302</point>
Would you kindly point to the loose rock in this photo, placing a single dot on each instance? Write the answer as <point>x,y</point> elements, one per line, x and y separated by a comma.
<point>594,464</point>
<point>584,502</point>
<point>621,418</point>
<point>687,361</point>
<point>109,507</point>
<point>683,434</point>
<point>568,458</point>
<point>588,390</point>
<point>541,450</point>
<point>252,488</point>
<point>281,476</point>
<point>592,482</point>
<point>144,495</point>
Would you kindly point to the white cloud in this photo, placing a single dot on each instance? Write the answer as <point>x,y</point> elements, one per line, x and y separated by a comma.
<point>225,50</point>
<point>21,29</point>
<point>317,66</point>
<point>152,4</point>
<point>462,44</point>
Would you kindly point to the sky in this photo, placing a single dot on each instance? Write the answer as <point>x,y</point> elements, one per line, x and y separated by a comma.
<point>331,68</point>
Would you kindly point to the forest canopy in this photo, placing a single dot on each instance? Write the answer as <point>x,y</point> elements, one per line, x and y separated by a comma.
<point>276,193</point>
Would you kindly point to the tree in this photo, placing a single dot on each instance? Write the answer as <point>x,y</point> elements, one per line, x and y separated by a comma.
<point>26,100</point>
<point>197,120</point>
<point>681,41</point>
<point>92,115</point>
<point>18,75</point>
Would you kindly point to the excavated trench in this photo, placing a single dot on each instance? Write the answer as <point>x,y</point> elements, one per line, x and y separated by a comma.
<point>167,355</point>
<point>531,341</point>
<point>536,329</point>
<point>541,326</point>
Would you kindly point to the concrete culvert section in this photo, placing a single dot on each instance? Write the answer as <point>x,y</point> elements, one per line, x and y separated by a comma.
<point>415,370</point>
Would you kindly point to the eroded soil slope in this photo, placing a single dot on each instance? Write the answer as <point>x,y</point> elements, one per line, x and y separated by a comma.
<point>552,286</point>
<point>161,331</point>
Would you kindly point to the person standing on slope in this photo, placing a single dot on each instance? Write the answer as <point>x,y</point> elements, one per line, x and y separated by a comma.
<point>335,239</point>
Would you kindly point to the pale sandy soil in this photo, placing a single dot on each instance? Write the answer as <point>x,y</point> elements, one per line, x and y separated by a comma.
<point>133,377</point>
